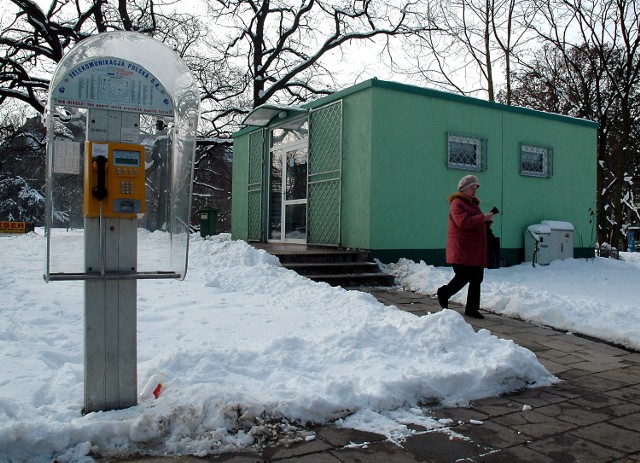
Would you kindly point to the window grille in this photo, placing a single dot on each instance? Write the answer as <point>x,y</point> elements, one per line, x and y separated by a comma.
<point>469,153</point>
<point>536,161</point>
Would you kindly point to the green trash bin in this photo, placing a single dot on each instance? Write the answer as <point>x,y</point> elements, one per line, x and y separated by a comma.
<point>208,221</point>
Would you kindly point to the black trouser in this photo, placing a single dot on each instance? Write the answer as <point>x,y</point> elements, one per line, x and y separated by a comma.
<point>463,275</point>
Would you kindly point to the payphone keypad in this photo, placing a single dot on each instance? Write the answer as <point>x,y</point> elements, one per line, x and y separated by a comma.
<point>127,187</point>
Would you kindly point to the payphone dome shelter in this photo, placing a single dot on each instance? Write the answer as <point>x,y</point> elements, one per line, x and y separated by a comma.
<point>127,93</point>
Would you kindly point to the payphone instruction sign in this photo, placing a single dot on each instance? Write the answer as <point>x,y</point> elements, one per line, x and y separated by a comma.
<point>114,84</point>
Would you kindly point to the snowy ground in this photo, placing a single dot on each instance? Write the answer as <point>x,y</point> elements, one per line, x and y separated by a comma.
<point>597,297</point>
<point>251,350</point>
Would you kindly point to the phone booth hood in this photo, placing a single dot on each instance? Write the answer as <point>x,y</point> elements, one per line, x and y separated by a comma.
<point>124,73</point>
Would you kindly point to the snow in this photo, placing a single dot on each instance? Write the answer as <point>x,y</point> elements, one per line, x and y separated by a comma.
<point>250,352</point>
<point>595,297</point>
<point>558,225</point>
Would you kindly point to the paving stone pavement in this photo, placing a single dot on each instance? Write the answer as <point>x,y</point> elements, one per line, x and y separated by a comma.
<point>592,415</point>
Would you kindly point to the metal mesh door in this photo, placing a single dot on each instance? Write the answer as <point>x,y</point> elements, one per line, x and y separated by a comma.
<point>324,175</point>
<point>254,186</point>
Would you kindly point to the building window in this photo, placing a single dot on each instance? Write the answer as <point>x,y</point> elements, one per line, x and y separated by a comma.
<point>536,161</point>
<point>468,153</point>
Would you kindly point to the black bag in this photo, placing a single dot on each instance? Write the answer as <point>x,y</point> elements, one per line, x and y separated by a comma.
<point>493,249</point>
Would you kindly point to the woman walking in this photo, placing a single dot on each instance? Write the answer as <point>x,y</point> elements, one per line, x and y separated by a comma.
<point>466,247</point>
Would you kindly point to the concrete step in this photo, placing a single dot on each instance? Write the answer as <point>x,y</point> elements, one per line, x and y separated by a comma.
<point>336,266</point>
<point>355,280</point>
<point>333,268</point>
<point>328,256</point>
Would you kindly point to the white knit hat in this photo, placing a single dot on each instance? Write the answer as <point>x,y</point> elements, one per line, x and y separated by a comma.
<point>467,181</point>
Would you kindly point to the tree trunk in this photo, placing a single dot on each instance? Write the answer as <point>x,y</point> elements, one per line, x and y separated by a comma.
<point>621,156</point>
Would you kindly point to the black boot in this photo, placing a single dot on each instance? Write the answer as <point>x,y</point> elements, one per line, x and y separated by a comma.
<point>443,300</point>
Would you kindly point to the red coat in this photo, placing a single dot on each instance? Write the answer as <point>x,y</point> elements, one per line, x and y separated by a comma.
<point>467,232</point>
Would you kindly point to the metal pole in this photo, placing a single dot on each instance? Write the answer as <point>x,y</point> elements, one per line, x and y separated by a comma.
<point>110,344</point>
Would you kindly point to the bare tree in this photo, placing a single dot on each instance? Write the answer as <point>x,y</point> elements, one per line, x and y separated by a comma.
<point>212,185</point>
<point>22,172</point>
<point>511,28</point>
<point>33,40</point>
<point>260,51</point>
<point>611,32</point>
<point>253,52</point>
<point>273,50</point>
<point>474,49</point>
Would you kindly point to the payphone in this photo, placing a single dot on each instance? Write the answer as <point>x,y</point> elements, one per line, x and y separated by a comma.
<point>114,180</point>
<point>105,96</point>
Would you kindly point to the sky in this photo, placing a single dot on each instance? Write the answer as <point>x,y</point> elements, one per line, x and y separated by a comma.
<point>247,347</point>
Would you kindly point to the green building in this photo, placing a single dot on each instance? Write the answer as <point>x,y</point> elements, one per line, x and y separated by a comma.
<point>370,167</point>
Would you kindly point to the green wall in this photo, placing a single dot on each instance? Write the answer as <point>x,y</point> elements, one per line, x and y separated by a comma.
<point>240,177</point>
<point>410,180</point>
<point>410,204</point>
<point>568,195</point>
<point>356,211</point>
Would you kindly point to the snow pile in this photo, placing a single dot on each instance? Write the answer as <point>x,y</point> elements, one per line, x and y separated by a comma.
<point>596,297</point>
<point>250,352</point>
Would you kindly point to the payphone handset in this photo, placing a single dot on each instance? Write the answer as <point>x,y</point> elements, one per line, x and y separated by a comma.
<point>114,180</point>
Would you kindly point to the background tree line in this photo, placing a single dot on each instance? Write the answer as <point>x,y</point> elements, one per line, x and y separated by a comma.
<point>574,57</point>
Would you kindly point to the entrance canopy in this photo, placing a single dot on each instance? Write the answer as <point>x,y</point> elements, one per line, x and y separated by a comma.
<point>264,114</point>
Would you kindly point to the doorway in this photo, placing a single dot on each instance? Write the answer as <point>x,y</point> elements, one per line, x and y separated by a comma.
<point>288,183</point>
